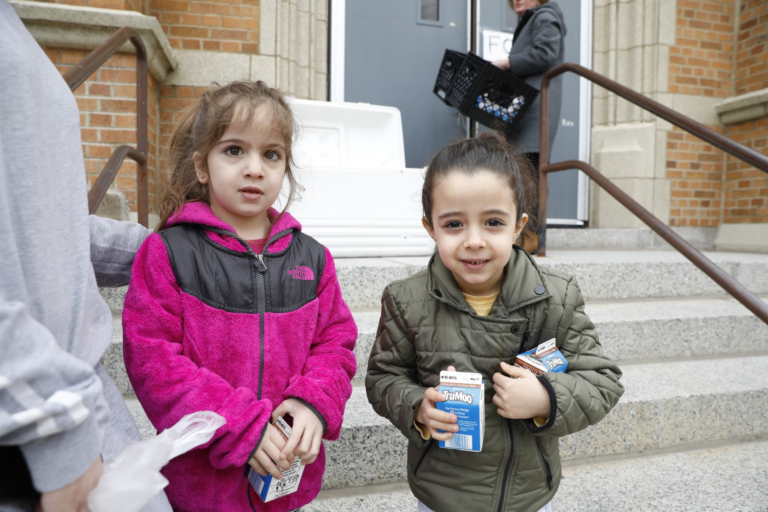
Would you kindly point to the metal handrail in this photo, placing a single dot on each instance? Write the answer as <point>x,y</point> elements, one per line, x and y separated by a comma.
<point>728,283</point>
<point>79,74</point>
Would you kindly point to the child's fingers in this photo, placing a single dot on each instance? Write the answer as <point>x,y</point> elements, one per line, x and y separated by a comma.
<point>440,436</point>
<point>441,416</point>
<point>448,427</point>
<point>273,452</point>
<point>267,463</point>
<point>256,466</point>
<point>451,369</point>
<point>501,379</point>
<point>281,410</point>
<point>305,445</point>
<point>515,371</point>
<point>433,395</point>
<point>314,449</point>
<point>289,450</point>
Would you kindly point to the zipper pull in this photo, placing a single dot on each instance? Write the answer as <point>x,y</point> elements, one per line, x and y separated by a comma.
<point>260,265</point>
<point>527,333</point>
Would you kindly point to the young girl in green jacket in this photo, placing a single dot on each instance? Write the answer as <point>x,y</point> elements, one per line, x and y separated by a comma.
<point>481,301</point>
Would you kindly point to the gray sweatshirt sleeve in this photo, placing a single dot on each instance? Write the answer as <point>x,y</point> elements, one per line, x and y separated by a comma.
<point>54,325</point>
<point>46,399</point>
<point>113,249</point>
<point>542,54</point>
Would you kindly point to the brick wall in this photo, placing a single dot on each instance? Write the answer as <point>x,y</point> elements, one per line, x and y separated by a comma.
<point>215,25</point>
<point>701,61</point>
<point>752,47</point>
<point>746,188</point>
<point>695,169</point>
<point>107,103</point>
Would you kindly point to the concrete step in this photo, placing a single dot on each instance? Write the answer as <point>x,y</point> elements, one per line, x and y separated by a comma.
<point>629,331</point>
<point>649,330</point>
<point>727,478</point>
<point>603,275</point>
<point>666,406</point>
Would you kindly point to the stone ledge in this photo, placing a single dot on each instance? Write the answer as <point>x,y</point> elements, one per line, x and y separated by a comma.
<point>85,28</point>
<point>746,107</point>
<point>742,237</point>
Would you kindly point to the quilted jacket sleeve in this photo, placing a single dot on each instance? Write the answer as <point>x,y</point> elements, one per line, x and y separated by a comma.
<point>393,389</point>
<point>590,388</point>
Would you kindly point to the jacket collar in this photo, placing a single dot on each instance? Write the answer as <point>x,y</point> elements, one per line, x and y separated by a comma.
<point>200,214</point>
<point>522,284</point>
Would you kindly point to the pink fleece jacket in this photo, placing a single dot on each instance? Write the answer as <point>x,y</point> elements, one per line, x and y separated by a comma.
<point>184,355</point>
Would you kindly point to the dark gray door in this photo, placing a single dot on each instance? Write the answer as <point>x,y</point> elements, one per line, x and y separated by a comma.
<point>393,51</point>
<point>563,186</point>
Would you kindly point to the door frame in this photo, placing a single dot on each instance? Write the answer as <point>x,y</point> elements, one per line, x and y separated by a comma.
<point>337,76</point>
<point>337,54</point>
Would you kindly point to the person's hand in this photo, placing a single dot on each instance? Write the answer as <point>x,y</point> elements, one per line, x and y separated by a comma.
<point>306,432</point>
<point>428,414</point>
<point>266,459</point>
<point>73,497</point>
<point>521,397</point>
<point>501,64</point>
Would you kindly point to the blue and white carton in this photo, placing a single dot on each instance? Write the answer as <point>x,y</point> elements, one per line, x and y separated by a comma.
<point>465,397</point>
<point>269,488</point>
<point>544,358</point>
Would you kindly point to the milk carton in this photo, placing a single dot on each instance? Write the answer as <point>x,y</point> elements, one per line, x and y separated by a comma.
<point>267,487</point>
<point>544,358</point>
<point>465,397</point>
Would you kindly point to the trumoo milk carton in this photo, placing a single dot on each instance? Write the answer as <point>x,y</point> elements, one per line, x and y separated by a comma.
<point>465,397</point>
<point>267,487</point>
<point>544,358</point>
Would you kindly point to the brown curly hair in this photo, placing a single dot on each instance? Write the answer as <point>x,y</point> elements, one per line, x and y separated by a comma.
<point>201,126</point>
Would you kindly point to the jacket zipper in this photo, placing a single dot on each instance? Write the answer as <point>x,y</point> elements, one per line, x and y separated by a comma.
<point>546,462</point>
<point>508,466</point>
<point>261,305</point>
<point>423,456</point>
<point>526,334</point>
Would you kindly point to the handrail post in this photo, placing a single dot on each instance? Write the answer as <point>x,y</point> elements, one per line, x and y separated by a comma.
<point>80,72</point>
<point>541,250</point>
<point>142,137</point>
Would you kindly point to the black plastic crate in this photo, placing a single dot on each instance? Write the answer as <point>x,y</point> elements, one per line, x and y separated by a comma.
<point>452,60</point>
<point>489,95</point>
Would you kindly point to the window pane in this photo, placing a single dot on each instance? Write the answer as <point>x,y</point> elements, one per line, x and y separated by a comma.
<point>430,10</point>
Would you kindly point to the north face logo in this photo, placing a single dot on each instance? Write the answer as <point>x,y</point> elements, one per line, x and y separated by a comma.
<point>303,273</point>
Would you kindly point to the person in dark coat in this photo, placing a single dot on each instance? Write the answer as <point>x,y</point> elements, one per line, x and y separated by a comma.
<point>538,46</point>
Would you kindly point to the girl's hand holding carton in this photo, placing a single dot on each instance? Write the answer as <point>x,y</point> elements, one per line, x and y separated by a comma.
<point>306,432</point>
<point>435,419</point>
<point>521,395</point>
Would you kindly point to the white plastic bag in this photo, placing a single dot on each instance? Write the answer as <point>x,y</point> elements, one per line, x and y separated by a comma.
<point>133,478</point>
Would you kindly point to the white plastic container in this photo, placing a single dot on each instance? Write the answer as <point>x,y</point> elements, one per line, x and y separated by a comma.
<point>359,198</point>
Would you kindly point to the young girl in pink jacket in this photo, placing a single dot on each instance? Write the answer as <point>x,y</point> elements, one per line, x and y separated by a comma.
<point>232,309</point>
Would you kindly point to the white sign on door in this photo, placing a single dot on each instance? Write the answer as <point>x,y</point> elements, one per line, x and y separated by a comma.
<point>496,45</point>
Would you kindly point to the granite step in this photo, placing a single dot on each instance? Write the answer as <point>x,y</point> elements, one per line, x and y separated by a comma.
<point>650,330</point>
<point>666,406</point>
<point>647,331</point>
<point>712,480</point>
<point>603,275</point>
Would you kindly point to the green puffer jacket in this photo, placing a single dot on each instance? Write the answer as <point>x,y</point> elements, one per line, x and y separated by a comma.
<point>426,325</point>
